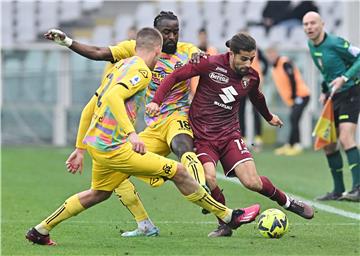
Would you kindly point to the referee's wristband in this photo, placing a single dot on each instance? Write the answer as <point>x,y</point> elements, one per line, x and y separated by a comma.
<point>345,78</point>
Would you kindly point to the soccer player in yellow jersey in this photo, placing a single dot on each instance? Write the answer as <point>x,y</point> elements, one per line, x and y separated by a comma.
<point>116,150</point>
<point>170,131</point>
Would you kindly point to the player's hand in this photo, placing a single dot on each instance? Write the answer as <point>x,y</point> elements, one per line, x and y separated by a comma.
<point>152,109</point>
<point>196,57</point>
<point>75,161</point>
<point>58,37</point>
<point>275,121</point>
<point>138,145</point>
<point>336,84</point>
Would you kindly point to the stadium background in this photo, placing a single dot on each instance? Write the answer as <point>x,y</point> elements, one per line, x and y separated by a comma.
<point>44,86</point>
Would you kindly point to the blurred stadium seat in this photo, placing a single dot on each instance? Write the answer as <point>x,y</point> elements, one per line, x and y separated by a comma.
<point>34,72</point>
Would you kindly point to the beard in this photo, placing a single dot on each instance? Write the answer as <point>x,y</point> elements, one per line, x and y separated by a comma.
<point>169,47</point>
<point>242,71</point>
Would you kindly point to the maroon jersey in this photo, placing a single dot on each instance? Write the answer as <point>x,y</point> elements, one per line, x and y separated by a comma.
<point>214,109</point>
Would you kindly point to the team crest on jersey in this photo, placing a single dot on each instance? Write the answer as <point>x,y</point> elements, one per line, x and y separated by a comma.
<point>245,81</point>
<point>178,64</point>
<point>135,80</point>
<point>144,73</point>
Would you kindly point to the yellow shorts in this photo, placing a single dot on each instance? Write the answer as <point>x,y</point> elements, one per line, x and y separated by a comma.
<point>111,168</point>
<point>158,138</point>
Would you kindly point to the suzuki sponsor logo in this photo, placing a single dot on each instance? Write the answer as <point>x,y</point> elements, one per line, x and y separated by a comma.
<point>219,78</point>
<point>229,93</point>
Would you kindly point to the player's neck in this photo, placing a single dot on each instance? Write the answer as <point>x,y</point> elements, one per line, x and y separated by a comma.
<point>319,39</point>
<point>147,57</point>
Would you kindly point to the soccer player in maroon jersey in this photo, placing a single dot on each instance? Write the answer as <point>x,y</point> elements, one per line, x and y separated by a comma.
<point>224,79</point>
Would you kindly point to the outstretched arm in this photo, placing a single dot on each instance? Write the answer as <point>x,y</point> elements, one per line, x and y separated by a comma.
<point>88,51</point>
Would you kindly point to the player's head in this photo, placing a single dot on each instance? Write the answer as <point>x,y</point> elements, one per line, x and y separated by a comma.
<point>313,26</point>
<point>242,52</point>
<point>168,25</point>
<point>149,43</point>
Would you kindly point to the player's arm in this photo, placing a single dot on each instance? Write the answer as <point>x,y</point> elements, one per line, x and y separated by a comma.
<point>116,101</point>
<point>85,120</point>
<point>122,50</point>
<point>350,54</point>
<point>257,98</point>
<point>74,163</point>
<point>88,51</point>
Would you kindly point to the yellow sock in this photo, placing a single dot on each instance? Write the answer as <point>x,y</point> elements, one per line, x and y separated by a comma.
<point>131,200</point>
<point>203,199</point>
<point>71,207</point>
<point>194,167</point>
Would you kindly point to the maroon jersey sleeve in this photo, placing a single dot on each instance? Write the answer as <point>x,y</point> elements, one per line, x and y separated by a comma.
<point>185,72</point>
<point>257,98</point>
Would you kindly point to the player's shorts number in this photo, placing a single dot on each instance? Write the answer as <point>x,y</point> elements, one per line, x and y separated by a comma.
<point>184,124</point>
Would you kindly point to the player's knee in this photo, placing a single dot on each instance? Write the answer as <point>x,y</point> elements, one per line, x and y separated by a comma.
<point>346,139</point>
<point>252,183</point>
<point>181,174</point>
<point>99,195</point>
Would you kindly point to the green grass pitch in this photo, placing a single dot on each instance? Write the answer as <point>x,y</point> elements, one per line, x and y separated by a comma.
<point>35,182</point>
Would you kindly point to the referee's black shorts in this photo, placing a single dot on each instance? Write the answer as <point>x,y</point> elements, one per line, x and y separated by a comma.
<point>347,105</point>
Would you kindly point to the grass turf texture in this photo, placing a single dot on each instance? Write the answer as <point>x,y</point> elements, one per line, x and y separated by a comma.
<point>35,182</point>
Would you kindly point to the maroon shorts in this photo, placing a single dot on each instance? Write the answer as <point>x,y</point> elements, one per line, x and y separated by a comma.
<point>230,151</point>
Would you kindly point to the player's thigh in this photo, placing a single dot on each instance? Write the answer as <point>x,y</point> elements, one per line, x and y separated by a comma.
<point>149,164</point>
<point>234,153</point>
<point>177,124</point>
<point>349,106</point>
<point>154,141</point>
<point>103,178</point>
<point>206,153</point>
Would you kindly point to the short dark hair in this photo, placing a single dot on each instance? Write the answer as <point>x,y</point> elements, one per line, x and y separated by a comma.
<point>202,30</point>
<point>241,42</point>
<point>164,15</point>
<point>148,38</point>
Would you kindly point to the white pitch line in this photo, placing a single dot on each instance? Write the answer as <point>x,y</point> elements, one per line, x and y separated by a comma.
<point>317,205</point>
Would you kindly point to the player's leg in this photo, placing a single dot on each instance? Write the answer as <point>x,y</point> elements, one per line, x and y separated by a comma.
<point>217,194</point>
<point>348,119</point>
<point>128,195</point>
<point>103,183</point>
<point>151,164</point>
<point>294,138</point>
<point>196,194</point>
<point>347,139</point>
<point>335,163</point>
<point>180,138</point>
<point>130,198</point>
<point>209,157</point>
<point>238,161</point>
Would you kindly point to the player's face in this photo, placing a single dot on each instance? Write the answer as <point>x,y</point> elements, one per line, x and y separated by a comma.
<point>241,61</point>
<point>170,32</point>
<point>313,26</point>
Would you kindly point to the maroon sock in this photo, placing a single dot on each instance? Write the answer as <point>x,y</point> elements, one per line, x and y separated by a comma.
<point>218,195</point>
<point>270,191</point>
